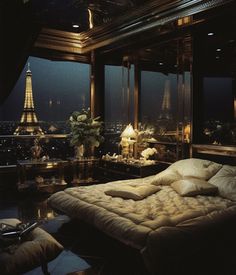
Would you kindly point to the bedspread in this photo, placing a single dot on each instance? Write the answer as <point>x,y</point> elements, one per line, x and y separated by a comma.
<point>132,221</point>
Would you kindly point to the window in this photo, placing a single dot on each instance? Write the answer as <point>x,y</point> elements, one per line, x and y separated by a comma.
<point>214,60</point>
<point>59,88</point>
<point>119,107</point>
<point>165,98</point>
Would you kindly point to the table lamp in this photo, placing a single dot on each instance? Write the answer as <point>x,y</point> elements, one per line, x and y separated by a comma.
<point>128,137</point>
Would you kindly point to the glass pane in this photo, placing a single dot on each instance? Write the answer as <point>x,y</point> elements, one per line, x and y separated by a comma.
<point>159,104</point>
<point>165,99</point>
<point>119,104</point>
<point>219,113</point>
<point>159,107</point>
<point>214,59</point>
<point>58,89</point>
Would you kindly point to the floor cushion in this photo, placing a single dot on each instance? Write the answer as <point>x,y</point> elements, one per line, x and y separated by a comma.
<point>38,248</point>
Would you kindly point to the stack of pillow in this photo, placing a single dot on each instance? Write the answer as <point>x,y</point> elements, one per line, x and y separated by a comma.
<point>190,177</point>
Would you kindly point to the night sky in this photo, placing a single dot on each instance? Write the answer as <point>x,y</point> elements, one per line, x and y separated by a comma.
<point>218,98</point>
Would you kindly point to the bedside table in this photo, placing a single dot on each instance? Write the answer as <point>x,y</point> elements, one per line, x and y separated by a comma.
<point>109,170</point>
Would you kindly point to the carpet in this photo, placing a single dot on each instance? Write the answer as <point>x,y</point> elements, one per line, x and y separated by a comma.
<point>66,262</point>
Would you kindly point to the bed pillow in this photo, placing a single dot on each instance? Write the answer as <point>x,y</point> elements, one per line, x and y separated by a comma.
<point>166,177</point>
<point>225,180</point>
<point>193,187</point>
<point>133,192</point>
<point>197,168</point>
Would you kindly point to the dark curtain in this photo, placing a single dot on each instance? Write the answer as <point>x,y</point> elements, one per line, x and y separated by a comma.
<point>18,32</point>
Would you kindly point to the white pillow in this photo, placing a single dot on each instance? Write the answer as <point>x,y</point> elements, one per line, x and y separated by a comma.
<point>133,192</point>
<point>225,180</point>
<point>193,187</point>
<point>166,177</point>
<point>197,168</point>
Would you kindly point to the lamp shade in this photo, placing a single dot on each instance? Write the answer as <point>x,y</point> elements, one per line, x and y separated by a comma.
<point>128,132</point>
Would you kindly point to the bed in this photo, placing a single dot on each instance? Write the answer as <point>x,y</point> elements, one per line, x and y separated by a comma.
<point>170,217</point>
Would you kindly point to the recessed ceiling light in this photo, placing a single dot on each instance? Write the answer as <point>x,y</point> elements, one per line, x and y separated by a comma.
<point>217,57</point>
<point>218,50</point>
<point>160,63</point>
<point>210,33</point>
<point>231,40</point>
<point>75,26</point>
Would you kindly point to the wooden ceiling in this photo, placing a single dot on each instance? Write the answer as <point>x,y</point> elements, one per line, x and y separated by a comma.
<point>117,24</point>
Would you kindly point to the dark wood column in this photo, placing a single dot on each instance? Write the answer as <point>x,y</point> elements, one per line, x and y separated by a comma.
<point>97,86</point>
<point>137,81</point>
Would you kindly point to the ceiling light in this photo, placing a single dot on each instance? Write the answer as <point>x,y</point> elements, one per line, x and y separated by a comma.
<point>218,50</point>
<point>75,26</point>
<point>217,57</point>
<point>210,33</point>
<point>160,63</point>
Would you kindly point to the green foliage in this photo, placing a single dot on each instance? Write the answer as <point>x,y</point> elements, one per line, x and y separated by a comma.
<point>85,130</point>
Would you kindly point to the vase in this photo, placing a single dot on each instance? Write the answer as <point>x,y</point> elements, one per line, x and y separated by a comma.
<point>79,151</point>
<point>83,151</point>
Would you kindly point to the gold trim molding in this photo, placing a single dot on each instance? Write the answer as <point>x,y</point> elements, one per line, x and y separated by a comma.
<point>146,18</point>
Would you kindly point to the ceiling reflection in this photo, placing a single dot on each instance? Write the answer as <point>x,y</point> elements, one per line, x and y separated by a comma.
<point>80,15</point>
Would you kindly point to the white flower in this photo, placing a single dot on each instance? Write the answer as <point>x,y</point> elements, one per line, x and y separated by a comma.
<point>71,118</point>
<point>81,118</point>
<point>148,152</point>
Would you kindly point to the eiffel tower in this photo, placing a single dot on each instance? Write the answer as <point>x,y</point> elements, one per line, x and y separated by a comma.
<point>28,123</point>
<point>166,106</point>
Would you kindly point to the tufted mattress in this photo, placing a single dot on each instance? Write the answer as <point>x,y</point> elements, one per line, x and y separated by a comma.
<point>132,221</point>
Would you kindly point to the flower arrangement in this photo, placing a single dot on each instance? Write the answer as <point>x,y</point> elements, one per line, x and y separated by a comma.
<point>148,152</point>
<point>85,130</point>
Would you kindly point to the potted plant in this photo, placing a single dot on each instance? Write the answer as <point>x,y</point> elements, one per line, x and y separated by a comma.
<point>85,132</point>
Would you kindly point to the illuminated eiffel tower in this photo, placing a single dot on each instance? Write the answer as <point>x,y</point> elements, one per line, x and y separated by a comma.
<point>28,123</point>
<point>166,106</point>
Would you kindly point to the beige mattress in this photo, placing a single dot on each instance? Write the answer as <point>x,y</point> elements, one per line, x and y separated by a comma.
<point>132,221</point>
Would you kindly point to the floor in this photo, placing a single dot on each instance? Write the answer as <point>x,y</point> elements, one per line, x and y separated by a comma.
<point>87,251</point>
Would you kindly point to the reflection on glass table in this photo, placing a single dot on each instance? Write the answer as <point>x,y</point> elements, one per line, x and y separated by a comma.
<point>43,176</point>
<point>83,170</point>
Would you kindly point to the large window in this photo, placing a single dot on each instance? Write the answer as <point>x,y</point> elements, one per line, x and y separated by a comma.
<point>215,92</point>
<point>59,88</point>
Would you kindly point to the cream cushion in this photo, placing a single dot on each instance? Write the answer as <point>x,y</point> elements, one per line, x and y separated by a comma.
<point>193,187</point>
<point>38,247</point>
<point>198,168</point>
<point>225,180</point>
<point>166,177</point>
<point>133,192</point>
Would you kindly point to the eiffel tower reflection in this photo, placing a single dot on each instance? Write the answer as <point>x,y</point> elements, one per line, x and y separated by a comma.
<point>166,105</point>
